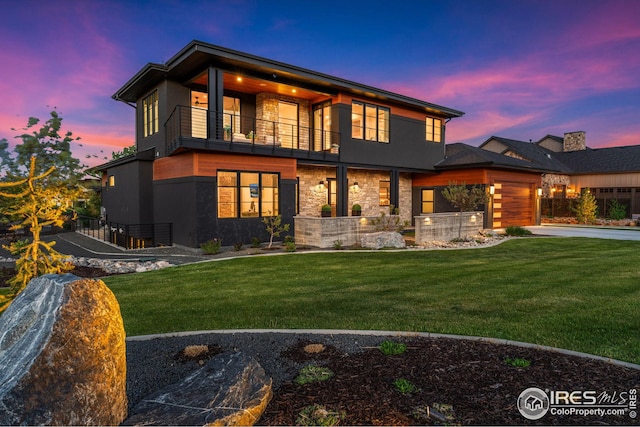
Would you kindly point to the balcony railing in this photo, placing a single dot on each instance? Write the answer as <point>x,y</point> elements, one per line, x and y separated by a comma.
<point>128,236</point>
<point>192,124</point>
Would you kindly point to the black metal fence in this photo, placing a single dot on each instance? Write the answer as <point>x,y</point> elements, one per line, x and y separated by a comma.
<point>128,236</point>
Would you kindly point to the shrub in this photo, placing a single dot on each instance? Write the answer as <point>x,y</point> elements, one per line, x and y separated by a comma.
<point>516,230</point>
<point>617,211</point>
<point>389,222</point>
<point>312,373</point>
<point>404,386</point>
<point>318,415</point>
<point>337,245</point>
<point>390,347</point>
<point>237,246</point>
<point>255,242</point>
<point>517,362</point>
<point>290,246</point>
<point>212,246</point>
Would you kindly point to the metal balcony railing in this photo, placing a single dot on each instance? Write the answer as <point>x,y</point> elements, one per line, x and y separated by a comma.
<point>195,124</point>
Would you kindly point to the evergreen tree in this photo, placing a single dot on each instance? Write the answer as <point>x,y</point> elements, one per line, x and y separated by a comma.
<point>586,207</point>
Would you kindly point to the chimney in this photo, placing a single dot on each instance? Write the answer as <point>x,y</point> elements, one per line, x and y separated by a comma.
<point>575,141</point>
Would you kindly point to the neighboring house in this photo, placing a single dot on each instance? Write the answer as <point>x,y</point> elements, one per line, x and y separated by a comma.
<point>571,167</point>
<point>225,138</point>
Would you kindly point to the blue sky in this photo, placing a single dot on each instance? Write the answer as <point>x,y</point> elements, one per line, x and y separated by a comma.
<point>518,69</point>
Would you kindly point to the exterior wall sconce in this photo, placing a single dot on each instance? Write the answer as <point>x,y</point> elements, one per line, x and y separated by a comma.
<point>539,192</point>
<point>427,221</point>
<point>355,187</point>
<point>492,189</point>
<point>473,219</point>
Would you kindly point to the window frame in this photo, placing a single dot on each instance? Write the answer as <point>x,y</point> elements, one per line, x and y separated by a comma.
<point>433,133</point>
<point>150,118</point>
<point>374,124</point>
<point>427,203</point>
<point>244,192</point>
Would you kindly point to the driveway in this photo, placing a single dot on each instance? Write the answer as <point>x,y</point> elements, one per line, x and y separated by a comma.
<point>629,233</point>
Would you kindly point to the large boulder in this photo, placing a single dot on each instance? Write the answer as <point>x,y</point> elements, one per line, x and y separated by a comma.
<point>383,239</point>
<point>62,353</point>
<point>231,389</point>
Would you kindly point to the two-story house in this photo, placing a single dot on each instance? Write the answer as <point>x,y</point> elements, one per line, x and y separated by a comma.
<point>225,138</point>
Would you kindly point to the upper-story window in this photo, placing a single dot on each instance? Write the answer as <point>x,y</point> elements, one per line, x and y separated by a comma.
<point>434,129</point>
<point>231,118</point>
<point>150,114</point>
<point>369,122</point>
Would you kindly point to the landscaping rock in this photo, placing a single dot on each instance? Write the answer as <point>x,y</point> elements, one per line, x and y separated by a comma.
<point>231,389</point>
<point>62,352</point>
<point>383,239</point>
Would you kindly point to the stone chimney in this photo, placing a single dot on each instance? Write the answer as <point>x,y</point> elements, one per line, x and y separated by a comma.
<point>574,141</point>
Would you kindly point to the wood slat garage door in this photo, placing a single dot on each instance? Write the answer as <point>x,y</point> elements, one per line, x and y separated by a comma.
<point>513,204</point>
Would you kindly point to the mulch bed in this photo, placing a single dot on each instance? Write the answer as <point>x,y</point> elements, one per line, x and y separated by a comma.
<point>465,382</point>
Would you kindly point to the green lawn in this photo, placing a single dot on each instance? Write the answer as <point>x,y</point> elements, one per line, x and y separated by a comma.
<point>573,293</point>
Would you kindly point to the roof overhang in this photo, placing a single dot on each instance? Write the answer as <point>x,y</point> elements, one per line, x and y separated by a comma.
<point>198,56</point>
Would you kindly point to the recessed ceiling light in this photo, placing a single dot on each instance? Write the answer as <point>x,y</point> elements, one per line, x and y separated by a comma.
<point>263,84</point>
<point>239,78</point>
<point>294,90</point>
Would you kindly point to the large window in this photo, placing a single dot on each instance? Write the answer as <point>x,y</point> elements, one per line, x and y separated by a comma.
<point>434,129</point>
<point>150,114</point>
<point>427,201</point>
<point>247,194</point>
<point>369,122</point>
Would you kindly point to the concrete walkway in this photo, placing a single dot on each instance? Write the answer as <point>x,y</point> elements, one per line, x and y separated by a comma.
<point>627,233</point>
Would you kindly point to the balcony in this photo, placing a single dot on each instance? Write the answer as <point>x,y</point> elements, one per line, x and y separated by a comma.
<point>197,128</point>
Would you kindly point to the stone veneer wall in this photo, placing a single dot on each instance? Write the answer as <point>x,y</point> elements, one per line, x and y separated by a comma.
<point>574,141</point>
<point>267,113</point>
<point>550,180</point>
<point>444,226</point>
<point>325,232</point>
<point>367,194</point>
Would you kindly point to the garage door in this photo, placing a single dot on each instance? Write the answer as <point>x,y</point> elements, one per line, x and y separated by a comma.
<point>513,204</point>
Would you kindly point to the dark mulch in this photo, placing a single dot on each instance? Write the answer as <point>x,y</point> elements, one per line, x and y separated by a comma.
<point>466,382</point>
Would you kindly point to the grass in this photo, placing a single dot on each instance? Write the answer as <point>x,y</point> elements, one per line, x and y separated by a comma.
<point>312,373</point>
<point>391,348</point>
<point>574,293</point>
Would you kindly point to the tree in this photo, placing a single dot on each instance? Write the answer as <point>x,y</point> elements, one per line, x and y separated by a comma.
<point>126,151</point>
<point>464,198</point>
<point>586,208</point>
<point>274,226</point>
<point>38,186</point>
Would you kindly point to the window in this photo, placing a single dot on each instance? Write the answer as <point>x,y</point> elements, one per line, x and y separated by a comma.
<point>231,116</point>
<point>427,202</point>
<point>288,124</point>
<point>199,106</point>
<point>112,181</point>
<point>150,114</point>
<point>385,193</point>
<point>369,122</point>
<point>434,129</point>
<point>247,194</point>
<point>322,126</point>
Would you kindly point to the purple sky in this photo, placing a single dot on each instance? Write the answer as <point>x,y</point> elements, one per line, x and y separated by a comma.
<point>518,69</point>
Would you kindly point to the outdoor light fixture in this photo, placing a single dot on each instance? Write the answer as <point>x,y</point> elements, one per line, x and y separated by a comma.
<point>473,219</point>
<point>427,220</point>
<point>492,189</point>
<point>539,192</point>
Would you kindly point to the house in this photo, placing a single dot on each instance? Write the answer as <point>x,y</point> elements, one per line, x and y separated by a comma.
<point>569,167</point>
<point>225,138</point>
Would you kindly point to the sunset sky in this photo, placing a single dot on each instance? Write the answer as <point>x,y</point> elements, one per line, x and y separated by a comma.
<point>518,69</point>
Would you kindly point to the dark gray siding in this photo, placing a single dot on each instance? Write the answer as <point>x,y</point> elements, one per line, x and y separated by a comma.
<point>130,201</point>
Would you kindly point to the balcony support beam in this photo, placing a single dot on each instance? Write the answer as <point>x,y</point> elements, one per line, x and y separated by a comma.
<point>216,102</point>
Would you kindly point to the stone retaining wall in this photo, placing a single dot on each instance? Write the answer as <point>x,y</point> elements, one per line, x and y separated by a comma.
<point>324,232</point>
<point>444,226</point>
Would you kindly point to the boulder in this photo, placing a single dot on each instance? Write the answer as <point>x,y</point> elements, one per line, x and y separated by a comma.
<point>231,389</point>
<point>383,239</point>
<point>62,352</point>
